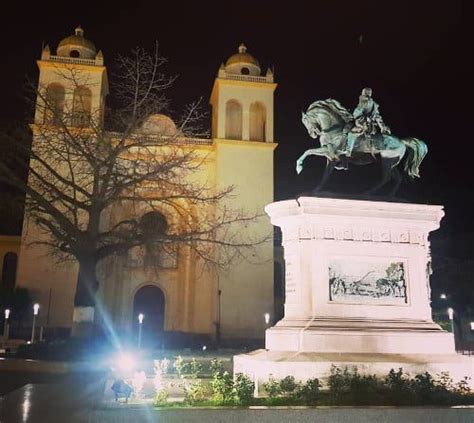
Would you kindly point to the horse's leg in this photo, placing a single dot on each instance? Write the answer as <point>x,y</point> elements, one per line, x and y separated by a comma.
<point>327,173</point>
<point>387,164</point>
<point>321,151</point>
<point>398,179</point>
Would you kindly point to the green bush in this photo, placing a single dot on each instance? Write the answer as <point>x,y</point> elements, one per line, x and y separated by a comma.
<point>187,368</point>
<point>272,388</point>
<point>243,388</point>
<point>195,392</point>
<point>195,368</point>
<point>308,392</point>
<point>364,389</point>
<point>288,386</point>
<point>222,386</point>
<point>162,366</point>
<point>179,365</point>
<point>338,382</point>
<point>216,366</point>
<point>462,387</point>
<point>161,398</point>
<point>399,387</point>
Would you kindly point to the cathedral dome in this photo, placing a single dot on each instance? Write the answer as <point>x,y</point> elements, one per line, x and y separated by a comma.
<point>161,125</point>
<point>77,46</point>
<point>242,63</point>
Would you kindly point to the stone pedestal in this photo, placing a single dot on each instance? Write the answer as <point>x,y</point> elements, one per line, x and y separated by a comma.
<point>357,292</point>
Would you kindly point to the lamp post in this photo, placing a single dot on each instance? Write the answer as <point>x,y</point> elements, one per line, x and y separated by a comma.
<point>451,318</point>
<point>141,316</point>
<point>35,313</point>
<point>6,326</point>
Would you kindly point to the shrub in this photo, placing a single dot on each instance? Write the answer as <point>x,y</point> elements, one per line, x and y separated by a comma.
<point>399,387</point>
<point>243,388</point>
<point>162,366</point>
<point>272,388</point>
<point>161,398</point>
<point>222,386</point>
<point>364,388</point>
<point>288,385</point>
<point>338,382</point>
<point>187,368</point>
<point>424,387</point>
<point>462,387</point>
<point>179,365</point>
<point>308,392</point>
<point>195,392</point>
<point>194,368</point>
<point>216,366</point>
<point>348,386</point>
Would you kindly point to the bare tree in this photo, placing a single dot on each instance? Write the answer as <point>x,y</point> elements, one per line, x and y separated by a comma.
<point>81,170</point>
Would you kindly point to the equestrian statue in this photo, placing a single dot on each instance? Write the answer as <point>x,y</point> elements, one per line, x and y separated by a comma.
<point>357,138</point>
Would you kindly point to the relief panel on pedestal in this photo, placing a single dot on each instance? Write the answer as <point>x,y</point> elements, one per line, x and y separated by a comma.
<point>374,281</point>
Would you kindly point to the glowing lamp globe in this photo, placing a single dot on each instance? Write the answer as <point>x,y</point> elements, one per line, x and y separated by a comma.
<point>450,313</point>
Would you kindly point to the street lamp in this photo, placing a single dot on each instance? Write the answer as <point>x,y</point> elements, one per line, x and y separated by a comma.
<point>442,296</point>
<point>266,317</point>
<point>451,318</point>
<point>6,326</point>
<point>141,316</point>
<point>472,325</point>
<point>36,307</point>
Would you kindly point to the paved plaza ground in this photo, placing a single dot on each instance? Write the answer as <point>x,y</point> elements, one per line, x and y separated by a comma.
<point>73,399</point>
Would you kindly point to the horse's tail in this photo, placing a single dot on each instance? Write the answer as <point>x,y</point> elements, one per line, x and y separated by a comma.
<point>417,150</point>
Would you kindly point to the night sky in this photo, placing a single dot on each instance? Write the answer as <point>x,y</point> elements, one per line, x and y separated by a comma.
<point>416,56</point>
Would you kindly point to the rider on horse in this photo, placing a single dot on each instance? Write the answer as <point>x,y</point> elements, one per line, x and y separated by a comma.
<point>367,122</point>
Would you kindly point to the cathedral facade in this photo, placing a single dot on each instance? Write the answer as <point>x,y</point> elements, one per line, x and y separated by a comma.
<point>175,293</point>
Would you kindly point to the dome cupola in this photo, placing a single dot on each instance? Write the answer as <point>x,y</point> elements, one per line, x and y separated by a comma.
<point>77,46</point>
<point>159,125</point>
<point>243,63</point>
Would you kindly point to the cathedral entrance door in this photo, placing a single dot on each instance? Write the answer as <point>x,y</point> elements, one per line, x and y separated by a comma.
<point>150,301</point>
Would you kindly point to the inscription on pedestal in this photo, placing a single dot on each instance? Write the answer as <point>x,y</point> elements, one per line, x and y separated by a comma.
<point>291,279</point>
<point>367,282</point>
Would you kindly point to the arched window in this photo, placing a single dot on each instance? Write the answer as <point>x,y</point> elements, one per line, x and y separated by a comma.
<point>82,104</point>
<point>159,251</point>
<point>233,120</point>
<point>257,122</point>
<point>10,261</point>
<point>153,224</point>
<point>54,107</point>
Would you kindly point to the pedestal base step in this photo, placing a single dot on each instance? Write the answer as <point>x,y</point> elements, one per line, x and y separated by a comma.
<point>260,365</point>
<point>380,337</point>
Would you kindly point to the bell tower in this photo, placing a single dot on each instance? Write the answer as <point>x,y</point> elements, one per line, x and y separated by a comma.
<point>72,83</point>
<point>242,100</point>
<point>242,132</point>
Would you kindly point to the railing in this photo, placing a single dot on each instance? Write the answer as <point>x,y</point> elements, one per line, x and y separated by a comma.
<point>72,60</point>
<point>247,78</point>
<point>176,140</point>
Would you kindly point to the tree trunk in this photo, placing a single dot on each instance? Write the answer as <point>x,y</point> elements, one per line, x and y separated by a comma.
<point>85,299</point>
